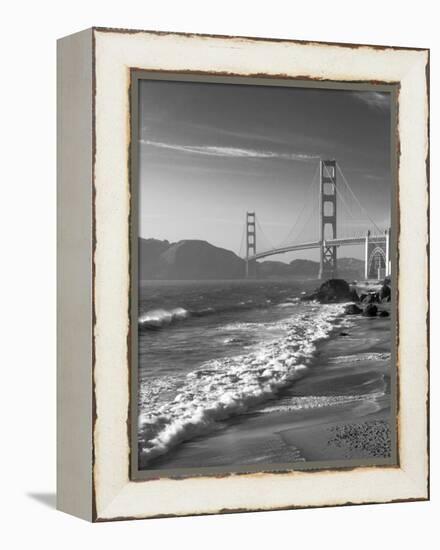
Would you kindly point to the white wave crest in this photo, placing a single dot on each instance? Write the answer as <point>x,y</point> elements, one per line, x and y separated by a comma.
<point>289,303</point>
<point>157,318</point>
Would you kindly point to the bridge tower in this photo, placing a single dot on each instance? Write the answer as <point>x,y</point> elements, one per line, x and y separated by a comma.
<point>328,267</point>
<point>251,245</point>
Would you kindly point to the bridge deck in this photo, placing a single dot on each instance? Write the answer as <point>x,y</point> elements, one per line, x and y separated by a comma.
<point>347,241</point>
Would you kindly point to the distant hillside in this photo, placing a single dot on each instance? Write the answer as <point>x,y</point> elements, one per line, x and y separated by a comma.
<point>188,260</point>
<point>150,251</point>
<point>195,259</point>
<point>348,268</point>
<point>351,268</point>
<point>304,268</point>
<point>270,269</point>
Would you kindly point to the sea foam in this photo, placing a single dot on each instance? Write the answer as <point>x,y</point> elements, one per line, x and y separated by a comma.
<point>158,318</point>
<point>318,401</point>
<point>222,388</point>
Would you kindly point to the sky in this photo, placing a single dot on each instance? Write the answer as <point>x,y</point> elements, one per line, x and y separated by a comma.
<point>210,152</point>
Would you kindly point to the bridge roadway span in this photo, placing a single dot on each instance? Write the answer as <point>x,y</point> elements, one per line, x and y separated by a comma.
<point>378,239</point>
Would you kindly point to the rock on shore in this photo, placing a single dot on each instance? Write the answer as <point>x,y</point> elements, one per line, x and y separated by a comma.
<point>370,310</point>
<point>352,309</point>
<point>332,291</point>
<point>338,290</point>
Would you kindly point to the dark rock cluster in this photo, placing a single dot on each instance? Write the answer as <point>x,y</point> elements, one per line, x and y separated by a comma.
<point>382,296</point>
<point>338,290</point>
<point>352,309</point>
<point>370,310</point>
<point>332,291</point>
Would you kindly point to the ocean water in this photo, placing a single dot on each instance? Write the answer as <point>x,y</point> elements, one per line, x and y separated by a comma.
<point>210,351</point>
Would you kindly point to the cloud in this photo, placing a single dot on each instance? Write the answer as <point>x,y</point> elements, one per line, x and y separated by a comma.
<point>268,139</point>
<point>379,101</point>
<point>228,152</point>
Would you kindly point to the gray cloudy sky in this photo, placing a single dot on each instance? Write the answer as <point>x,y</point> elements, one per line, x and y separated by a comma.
<point>210,152</point>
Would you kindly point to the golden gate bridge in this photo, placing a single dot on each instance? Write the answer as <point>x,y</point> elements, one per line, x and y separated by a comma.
<point>335,200</point>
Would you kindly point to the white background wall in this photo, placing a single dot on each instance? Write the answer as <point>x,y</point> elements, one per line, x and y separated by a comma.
<point>27,304</point>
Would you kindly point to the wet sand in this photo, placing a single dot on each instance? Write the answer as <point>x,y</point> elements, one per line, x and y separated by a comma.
<point>340,410</point>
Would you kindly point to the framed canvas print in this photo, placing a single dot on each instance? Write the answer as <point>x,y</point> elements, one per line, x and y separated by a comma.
<point>242,274</point>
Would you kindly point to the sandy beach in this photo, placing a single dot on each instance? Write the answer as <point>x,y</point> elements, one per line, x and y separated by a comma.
<point>339,410</point>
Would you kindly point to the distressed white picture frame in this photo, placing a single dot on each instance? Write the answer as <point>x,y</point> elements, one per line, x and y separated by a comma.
<point>94,274</point>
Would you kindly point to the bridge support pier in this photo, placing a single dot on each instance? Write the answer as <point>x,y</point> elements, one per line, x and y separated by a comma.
<point>387,253</point>
<point>251,269</point>
<point>367,254</point>
<point>251,246</point>
<point>328,265</point>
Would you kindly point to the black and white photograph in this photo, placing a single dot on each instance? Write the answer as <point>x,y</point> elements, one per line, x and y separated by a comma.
<point>219,275</point>
<point>265,269</point>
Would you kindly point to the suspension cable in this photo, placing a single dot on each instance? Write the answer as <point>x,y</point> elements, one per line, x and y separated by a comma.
<point>307,198</point>
<point>263,233</point>
<point>356,199</point>
<point>305,223</point>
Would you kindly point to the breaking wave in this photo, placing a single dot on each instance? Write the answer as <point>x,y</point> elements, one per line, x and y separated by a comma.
<point>179,409</point>
<point>158,318</point>
<point>162,317</point>
<point>289,303</point>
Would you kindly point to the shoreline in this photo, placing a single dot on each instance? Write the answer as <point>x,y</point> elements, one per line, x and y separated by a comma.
<point>348,386</point>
